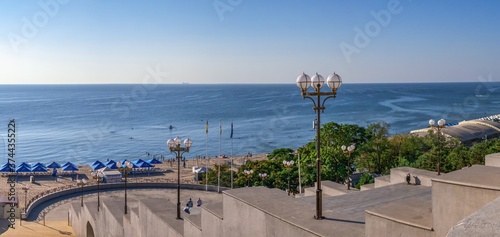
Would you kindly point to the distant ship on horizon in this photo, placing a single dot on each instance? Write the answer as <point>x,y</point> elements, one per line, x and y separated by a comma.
<point>185,83</point>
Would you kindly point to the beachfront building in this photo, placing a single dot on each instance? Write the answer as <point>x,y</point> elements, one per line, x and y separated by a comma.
<point>465,202</point>
<point>469,131</point>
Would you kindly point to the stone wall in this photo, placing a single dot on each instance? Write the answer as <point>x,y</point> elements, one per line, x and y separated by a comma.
<point>242,220</point>
<point>377,226</point>
<point>417,176</point>
<point>493,160</point>
<point>211,224</point>
<point>452,202</point>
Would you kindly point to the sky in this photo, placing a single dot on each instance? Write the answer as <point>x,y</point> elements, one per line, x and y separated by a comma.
<point>247,41</point>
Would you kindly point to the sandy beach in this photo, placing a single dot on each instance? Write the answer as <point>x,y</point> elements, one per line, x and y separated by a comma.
<point>45,184</point>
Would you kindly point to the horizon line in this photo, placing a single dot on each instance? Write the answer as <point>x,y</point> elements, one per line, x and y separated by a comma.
<point>187,84</point>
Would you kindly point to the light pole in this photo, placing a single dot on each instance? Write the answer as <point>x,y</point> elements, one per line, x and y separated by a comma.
<point>248,173</point>
<point>125,167</point>
<point>25,188</point>
<point>440,124</point>
<point>316,82</point>
<point>288,165</point>
<point>262,176</point>
<point>175,146</point>
<point>348,150</point>
<point>98,177</point>
<point>298,165</point>
<point>81,183</point>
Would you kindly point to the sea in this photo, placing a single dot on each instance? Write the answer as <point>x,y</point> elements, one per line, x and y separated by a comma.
<point>84,123</point>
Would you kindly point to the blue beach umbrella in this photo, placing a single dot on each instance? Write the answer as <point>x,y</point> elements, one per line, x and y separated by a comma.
<point>98,166</point>
<point>40,164</point>
<point>38,168</point>
<point>112,166</point>
<point>97,162</point>
<point>139,161</point>
<point>54,165</point>
<point>6,169</point>
<point>69,168</point>
<point>154,161</point>
<point>23,169</point>
<point>110,162</point>
<point>143,164</point>
<point>25,165</point>
<point>69,164</point>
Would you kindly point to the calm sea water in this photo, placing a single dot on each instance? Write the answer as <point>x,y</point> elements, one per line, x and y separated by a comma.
<point>82,123</point>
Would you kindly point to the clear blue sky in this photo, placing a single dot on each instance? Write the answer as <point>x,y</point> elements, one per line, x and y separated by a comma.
<point>247,41</point>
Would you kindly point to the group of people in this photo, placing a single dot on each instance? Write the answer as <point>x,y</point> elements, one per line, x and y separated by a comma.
<point>172,161</point>
<point>189,205</point>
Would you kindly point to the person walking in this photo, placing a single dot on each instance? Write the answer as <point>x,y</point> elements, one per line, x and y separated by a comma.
<point>198,203</point>
<point>190,203</point>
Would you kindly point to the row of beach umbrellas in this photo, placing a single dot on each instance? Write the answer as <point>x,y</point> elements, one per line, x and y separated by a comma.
<point>38,167</point>
<point>68,166</point>
<point>111,164</point>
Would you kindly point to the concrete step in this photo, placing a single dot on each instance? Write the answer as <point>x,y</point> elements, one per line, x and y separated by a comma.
<point>367,186</point>
<point>413,216</point>
<point>382,181</point>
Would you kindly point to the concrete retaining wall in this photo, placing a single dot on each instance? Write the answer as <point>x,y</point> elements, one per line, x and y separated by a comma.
<point>418,177</point>
<point>211,224</point>
<point>367,187</point>
<point>241,219</point>
<point>131,230</point>
<point>376,226</point>
<point>382,181</point>
<point>493,160</point>
<point>151,225</point>
<point>451,203</point>
<point>191,230</point>
<point>117,186</point>
<point>74,217</point>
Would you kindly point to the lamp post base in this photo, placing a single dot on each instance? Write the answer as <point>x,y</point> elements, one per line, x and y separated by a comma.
<point>319,205</point>
<point>179,211</point>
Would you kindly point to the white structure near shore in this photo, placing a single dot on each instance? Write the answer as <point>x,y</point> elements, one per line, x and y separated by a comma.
<point>469,131</point>
<point>461,203</point>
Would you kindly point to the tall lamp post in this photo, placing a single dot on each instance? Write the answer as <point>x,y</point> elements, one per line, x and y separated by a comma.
<point>125,167</point>
<point>288,165</point>
<point>348,150</point>
<point>248,173</point>
<point>316,82</point>
<point>98,177</point>
<point>175,146</point>
<point>81,183</point>
<point>440,124</point>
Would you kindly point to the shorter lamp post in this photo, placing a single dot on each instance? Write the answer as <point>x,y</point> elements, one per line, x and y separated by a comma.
<point>175,146</point>
<point>348,150</point>
<point>288,165</point>
<point>440,124</point>
<point>262,176</point>
<point>248,173</point>
<point>125,167</point>
<point>25,188</point>
<point>81,183</point>
<point>98,177</point>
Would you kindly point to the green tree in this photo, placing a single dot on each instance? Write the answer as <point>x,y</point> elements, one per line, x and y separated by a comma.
<point>376,156</point>
<point>366,178</point>
<point>333,136</point>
